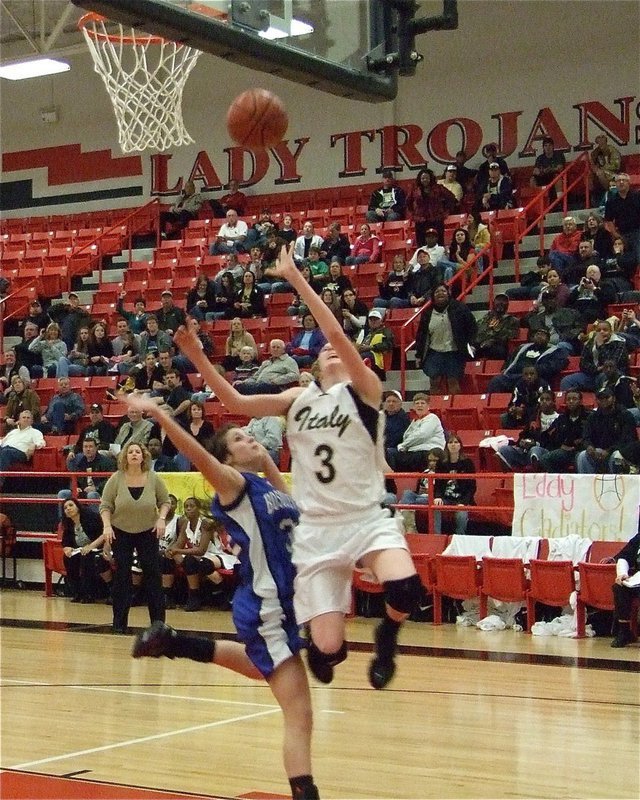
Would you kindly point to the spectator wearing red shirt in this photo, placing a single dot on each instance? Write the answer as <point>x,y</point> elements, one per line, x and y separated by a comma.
<point>366,248</point>
<point>564,247</point>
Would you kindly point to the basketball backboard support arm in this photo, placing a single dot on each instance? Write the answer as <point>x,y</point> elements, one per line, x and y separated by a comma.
<point>245,47</point>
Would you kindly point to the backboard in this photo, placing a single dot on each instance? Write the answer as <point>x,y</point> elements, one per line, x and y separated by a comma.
<point>351,48</point>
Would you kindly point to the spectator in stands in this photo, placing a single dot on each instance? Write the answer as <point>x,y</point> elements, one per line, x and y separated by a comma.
<point>201,300</point>
<point>396,419</point>
<point>231,236</point>
<point>627,564</point>
<point>51,348</point>
<point>428,205</point>
<point>90,461</point>
<point>267,431</point>
<point>248,365</point>
<point>249,302</point>
<point>306,344</point>
<point>366,248</point>
<point>585,257</point>
<point>257,233</point>
<point>286,231</point>
<point>620,270</point>
<point>565,325</point>
<point>9,369</point>
<point>450,181</point>
<point>76,361</point>
<point>420,495</point>
<point>548,165</point>
<point>354,314</point>
<point>394,289</point>
<point>606,430</point>
<point>591,296</point>
<point>200,551</point>
<point>319,268</point>
<point>629,328</point>
<point>169,316</point>
<point>335,244</point>
<point>81,539</point>
<point>20,443</point>
<point>445,332</point>
<point>201,430</point>
<point>424,433</point>
<point>605,164</point>
<point>523,404</point>
<point>126,349</point>
<point>99,430</point>
<point>134,507</point>
<point>25,356</point>
<point>490,152</point>
<point>549,360</point>
<point>182,363</point>
<point>152,340</point>
<point>377,341</point>
<point>461,252</point>
<point>553,285</point>
<point>337,281</point>
<point>145,376</point>
<point>620,384</point>
<point>534,441</point>
<point>605,345</point>
<point>138,318</point>
<point>466,176</point>
<point>233,199</point>
<point>133,429</point>
<point>307,239</point>
<point>564,247</point>
<point>99,350</point>
<point>181,212</point>
<point>225,296</point>
<point>388,203</point>
<point>64,410</point>
<point>21,398</point>
<point>176,399</point>
<point>422,281</point>
<point>436,251</point>
<point>532,282</point>
<point>276,372</point>
<point>37,315</point>
<point>600,238</point>
<point>563,439</point>
<point>330,299</point>
<point>453,491</point>
<point>237,339</point>
<point>160,462</point>
<point>496,193</point>
<point>71,317</point>
<point>478,232</point>
<point>495,330</point>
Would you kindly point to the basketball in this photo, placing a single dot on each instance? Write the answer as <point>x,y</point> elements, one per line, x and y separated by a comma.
<point>257,118</point>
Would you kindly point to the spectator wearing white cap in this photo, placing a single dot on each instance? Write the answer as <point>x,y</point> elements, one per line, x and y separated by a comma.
<point>377,340</point>
<point>450,181</point>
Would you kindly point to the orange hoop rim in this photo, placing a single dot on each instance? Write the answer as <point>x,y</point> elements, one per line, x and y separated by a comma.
<point>113,37</point>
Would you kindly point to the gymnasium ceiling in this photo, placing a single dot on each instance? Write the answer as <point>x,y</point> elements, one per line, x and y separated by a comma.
<point>39,27</point>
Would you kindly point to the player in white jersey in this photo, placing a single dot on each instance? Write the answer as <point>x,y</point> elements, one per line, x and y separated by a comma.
<point>334,433</point>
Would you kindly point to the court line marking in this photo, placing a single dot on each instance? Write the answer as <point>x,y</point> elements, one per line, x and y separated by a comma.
<point>144,739</point>
<point>137,692</point>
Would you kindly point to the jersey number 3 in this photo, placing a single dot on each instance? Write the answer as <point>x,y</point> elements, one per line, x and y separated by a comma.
<point>328,471</point>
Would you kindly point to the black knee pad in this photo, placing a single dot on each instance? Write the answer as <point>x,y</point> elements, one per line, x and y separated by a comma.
<point>403,595</point>
<point>330,659</point>
<point>167,566</point>
<point>191,565</point>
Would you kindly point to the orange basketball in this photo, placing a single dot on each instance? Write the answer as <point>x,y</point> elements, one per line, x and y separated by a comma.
<point>257,118</point>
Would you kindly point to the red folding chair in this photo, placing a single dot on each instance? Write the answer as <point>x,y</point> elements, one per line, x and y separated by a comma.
<point>503,579</point>
<point>552,583</point>
<point>456,576</point>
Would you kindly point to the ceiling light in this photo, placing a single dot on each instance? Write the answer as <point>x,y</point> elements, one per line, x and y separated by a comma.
<point>20,70</point>
<point>298,28</point>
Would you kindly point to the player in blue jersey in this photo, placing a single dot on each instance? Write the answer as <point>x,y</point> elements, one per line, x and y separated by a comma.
<point>259,515</point>
<point>335,437</point>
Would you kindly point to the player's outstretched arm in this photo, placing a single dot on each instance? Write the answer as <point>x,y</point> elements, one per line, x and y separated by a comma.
<point>258,405</point>
<point>365,381</point>
<point>227,480</point>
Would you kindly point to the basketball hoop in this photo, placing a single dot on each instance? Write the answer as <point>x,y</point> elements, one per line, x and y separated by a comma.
<point>145,77</point>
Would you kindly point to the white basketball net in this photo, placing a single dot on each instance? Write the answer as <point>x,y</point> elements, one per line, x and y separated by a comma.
<point>145,77</point>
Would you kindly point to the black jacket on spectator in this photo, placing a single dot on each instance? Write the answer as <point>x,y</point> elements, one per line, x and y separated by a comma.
<point>609,431</point>
<point>457,492</point>
<point>91,524</point>
<point>565,430</point>
<point>549,363</point>
<point>463,327</point>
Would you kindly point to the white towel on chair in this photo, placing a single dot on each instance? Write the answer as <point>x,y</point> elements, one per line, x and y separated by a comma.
<point>569,548</point>
<point>462,545</point>
<point>524,548</point>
